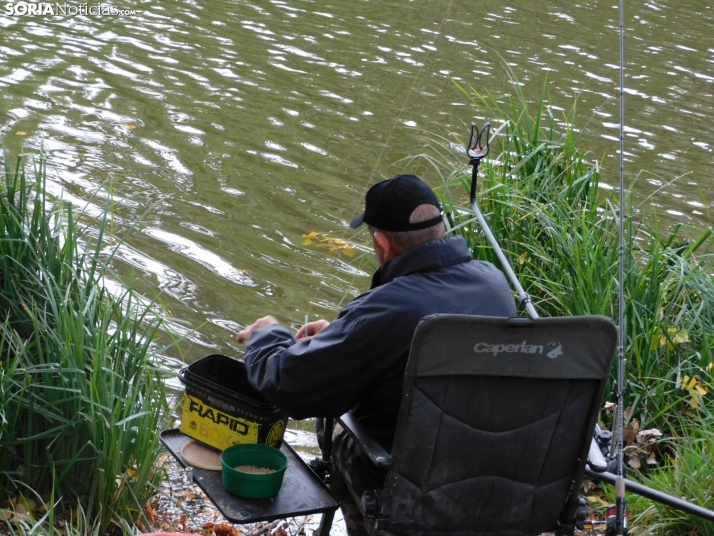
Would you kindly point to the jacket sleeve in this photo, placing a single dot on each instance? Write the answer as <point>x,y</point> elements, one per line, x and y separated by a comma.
<point>321,377</point>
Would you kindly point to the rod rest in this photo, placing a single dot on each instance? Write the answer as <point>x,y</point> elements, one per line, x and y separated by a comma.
<point>370,447</point>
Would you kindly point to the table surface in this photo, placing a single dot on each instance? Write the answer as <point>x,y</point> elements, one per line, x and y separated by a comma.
<point>302,492</point>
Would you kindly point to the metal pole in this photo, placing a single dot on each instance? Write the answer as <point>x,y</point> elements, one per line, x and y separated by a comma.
<point>523,296</point>
<point>620,501</point>
<point>653,494</point>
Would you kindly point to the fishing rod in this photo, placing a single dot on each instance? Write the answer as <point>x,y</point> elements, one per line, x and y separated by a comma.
<point>620,528</point>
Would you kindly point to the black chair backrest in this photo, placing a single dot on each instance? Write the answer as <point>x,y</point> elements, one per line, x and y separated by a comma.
<point>496,423</point>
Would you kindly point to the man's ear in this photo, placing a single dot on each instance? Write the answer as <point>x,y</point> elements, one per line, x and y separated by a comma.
<point>385,248</point>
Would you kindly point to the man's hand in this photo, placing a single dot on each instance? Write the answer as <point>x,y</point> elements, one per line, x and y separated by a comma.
<point>245,334</point>
<point>308,331</point>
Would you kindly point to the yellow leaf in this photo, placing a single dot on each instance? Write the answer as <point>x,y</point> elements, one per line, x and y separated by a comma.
<point>20,133</point>
<point>685,380</point>
<point>350,252</point>
<point>694,403</point>
<point>692,383</point>
<point>701,390</point>
<point>306,242</point>
<point>129,127</point>
<point>311,235</point>
<point>681,336</point>
<point>664,341</point>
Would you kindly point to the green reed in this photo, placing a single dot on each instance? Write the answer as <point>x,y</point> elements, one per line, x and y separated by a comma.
<point>81,396</point>
<point>543,198</point>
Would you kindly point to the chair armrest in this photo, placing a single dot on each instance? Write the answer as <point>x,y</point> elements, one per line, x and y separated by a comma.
<point>373,450</point>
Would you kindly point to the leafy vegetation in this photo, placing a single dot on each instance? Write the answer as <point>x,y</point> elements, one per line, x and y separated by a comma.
<point>557,223</point>
<point>544,199</point>
<point>81,395</point>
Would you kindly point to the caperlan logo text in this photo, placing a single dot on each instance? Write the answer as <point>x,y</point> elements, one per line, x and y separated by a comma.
<point>495,349</point>
<point>555,349</point>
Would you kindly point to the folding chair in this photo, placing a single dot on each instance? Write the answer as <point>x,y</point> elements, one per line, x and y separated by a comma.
<point>494,429</point>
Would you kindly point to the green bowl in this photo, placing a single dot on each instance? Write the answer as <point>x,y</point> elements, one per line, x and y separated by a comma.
<point>251,485</point>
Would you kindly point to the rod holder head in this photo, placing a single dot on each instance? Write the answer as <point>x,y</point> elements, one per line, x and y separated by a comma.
<point>477,149</point>
<point>476,152</point>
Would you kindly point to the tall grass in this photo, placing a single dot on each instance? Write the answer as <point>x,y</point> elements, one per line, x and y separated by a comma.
<point>81,397</point>
<point>543,198</point>
<point>686,474</point>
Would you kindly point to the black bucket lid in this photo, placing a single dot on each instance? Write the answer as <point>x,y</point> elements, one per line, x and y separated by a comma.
<point>226,377</point>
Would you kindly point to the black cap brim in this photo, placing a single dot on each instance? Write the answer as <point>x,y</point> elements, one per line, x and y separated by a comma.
<point>359,220</point>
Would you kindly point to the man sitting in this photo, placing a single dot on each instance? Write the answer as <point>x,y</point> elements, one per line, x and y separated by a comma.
<point>357,362</point>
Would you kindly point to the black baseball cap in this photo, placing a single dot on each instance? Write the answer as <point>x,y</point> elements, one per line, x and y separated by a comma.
<point>390,203</point>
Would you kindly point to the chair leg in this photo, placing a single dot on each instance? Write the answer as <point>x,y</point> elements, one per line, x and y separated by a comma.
<point>326,523</point>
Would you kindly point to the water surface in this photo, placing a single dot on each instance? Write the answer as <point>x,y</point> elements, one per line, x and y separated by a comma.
<point>224,132</point>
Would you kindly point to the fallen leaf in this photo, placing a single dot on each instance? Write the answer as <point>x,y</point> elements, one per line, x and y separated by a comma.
<point>129,126</point>
<point>24,505</point>
<point>631,431</point>
<point>652,459</point>
<point>150,513</point>
<point>634,462</point>
<point>224,529</point>
<point>645,437</point>
<point>20,133</point>
<point>628,413</point>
